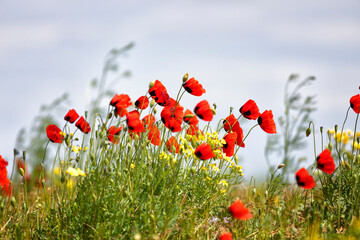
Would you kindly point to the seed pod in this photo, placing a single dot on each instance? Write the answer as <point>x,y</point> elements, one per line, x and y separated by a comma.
<point>308,132</point>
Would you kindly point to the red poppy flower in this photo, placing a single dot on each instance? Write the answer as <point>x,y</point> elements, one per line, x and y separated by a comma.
<point>122,99</point>
<point>304,179</point>
<point>113,134</point>
<point>232,124</point>
<point>142,102</point>
<point>325,162</point>
<point>193,87</point>
<point>172,117</point>
<point>148,121</point>
<point>159,93</point>
<point>355,103</point>
<point>239,211</point>
<point>204,152</point>
<point>203,111</point>
<point>71,116</point>
<point>154,136</point>
<point>190,120</point>
<point>172,143</point>
<point>83,125</point>
<point>133,122</point>
<point>250,110</point>
<point>228,147</point>
<point>266,122</point>
<point>226,236</point>
<point>4,181</point>
<point>54,133</point>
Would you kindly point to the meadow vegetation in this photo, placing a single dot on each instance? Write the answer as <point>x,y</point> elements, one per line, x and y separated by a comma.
<point>150,168</point>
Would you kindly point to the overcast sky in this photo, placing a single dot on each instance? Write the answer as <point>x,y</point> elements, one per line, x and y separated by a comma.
<point>237,49</point>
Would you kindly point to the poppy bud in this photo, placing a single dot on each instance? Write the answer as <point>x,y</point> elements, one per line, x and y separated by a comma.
<point>155,110</point>
<point>62,179</point>
<point>13,201</point>
<point>67,142</point>
<point>185,77</point>
<point>21,171</point>
<point>330,146</point>
<point>213,111</point>
<point>193,169</point>
<point>152,103</point>
<point>336,128</point>
<point>214,105</point>
<point>321,129</point>
<point>308,132</point>
<point>151,84</point>
<point>189,116</point>
<point>109,115</point>
<point>236,158</point>
<point>281,166</point>
<point>16,152</point>
<point>24,155</point>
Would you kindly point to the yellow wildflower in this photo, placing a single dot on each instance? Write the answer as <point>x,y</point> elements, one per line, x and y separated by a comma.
<point>343,137</point>
<point>224,183</point>
<point>75,149</point>
<point>132,166</point>
<point>70,184</point>
<point>57,171</point>
<point>75,172</point>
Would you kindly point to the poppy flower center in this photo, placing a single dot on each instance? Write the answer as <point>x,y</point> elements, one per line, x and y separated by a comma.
<point>189,90</point>
<point>198,154</point>
<point>247,113</point>
<point>259,120</point>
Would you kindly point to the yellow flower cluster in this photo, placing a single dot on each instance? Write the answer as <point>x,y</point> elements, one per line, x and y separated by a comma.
<point>214,167</point>
<point>345,137</point>
<point>75,172</point>
<point>77,149</point>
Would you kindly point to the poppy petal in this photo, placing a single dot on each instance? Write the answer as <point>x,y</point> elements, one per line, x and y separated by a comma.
<point>304,179</point>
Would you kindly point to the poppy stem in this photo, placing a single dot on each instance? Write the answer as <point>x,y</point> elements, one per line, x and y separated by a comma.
<point>353,148</point>
<point>313,127</point>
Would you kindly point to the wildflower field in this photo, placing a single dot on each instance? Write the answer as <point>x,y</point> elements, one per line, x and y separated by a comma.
<point>146,167</point>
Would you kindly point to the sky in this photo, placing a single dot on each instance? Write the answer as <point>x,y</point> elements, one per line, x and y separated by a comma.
<point>237,49</point>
